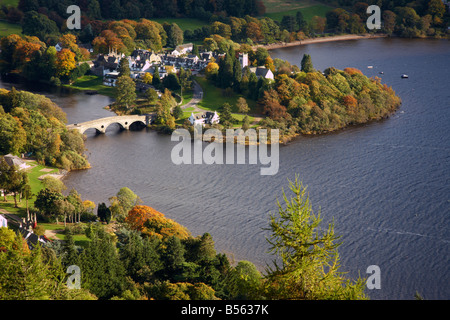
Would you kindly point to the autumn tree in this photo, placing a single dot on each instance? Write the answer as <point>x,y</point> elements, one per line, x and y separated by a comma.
<point>242,105</point>
<point>65,62</point>
<point>147,78</point>
<point>272,106</point>
<point>154,223</point>
<point>211,71</point>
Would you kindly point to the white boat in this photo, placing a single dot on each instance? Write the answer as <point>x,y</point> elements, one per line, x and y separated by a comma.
<point>404,76</point>
<point>370,67</point>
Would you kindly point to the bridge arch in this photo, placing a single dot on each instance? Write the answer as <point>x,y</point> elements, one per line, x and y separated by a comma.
<point>100,125</point>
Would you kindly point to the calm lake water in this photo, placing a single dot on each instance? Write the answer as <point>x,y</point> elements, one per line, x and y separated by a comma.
<point>385,184</point>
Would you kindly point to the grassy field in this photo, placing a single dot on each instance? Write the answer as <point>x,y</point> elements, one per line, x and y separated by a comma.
<point>7,28</point>
<point>213,100</point>
<point>91,82</point>
<point>36,185</point>
<point>183,23</point>
<point>276,9</point>
<point>8,3</point>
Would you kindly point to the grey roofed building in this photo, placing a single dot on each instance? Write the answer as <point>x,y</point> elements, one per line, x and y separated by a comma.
<point>15,161</point>
<point>262,72</point>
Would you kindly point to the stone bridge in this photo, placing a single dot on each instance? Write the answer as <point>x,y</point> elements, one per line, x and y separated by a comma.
<point>100,125</point>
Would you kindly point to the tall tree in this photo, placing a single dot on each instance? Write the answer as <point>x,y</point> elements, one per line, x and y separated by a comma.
<point>125,91</point>
<point>307,265</point>
<point>306,64</point>
<point>124,67</point>
<point>104,213</point>
<point>65,62</point>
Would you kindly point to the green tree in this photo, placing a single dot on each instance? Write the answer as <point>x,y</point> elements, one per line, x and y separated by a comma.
<point>244,282</point>
<point>173,256</point>
<point>53,184</point>
<point>12,135</point>
<point>226,118</point>
<point>28,275</point>
<point>124,67</point>
<point>306,64</point>
<point>104,213</point>
<point>125,91</point>
<point>436,8</point>
<point>151,95</point>
<point>123,202</point>
<point>16,182</point>
<point>307,264</point>
<point>245,123</point>
<point>156,81</point>
<point>47,203</point>
<point>177,112</point>
<point>37,24</point>
<point>174,35</point>
<point>261,55</point>
<point>242,105</point>
<point>103,272</point>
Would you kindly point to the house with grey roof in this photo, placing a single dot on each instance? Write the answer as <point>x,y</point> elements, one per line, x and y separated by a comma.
<point>262,72</point>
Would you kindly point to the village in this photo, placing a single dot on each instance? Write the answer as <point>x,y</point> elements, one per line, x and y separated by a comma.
<point>143,61</point>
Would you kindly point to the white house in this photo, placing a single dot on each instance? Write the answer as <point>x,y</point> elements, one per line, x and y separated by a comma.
<point>3,221</point>
<point>58,47</point>
<point>16,161</point>
<point>110,79</point>
<point>206,118</point>
<point>184,48</point>
<point>262,72</point>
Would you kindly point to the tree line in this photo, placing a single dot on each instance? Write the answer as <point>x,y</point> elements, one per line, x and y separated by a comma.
<point>312,101</point>
<point>32,124</point>
<point>145,255</point>
<point>34,60</point>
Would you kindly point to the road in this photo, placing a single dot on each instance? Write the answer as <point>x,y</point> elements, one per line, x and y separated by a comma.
<point>197,97</point>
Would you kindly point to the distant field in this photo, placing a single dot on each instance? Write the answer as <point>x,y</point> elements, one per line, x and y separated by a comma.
<point>7,28</point>
<point>91,82</point>
<point>183,23</point>
<point>13,3</point>
<point>276,9</point>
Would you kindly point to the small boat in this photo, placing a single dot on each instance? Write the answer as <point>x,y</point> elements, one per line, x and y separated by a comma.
<point>381,72</point>
<point>370,67</point>
<point>404,76</point>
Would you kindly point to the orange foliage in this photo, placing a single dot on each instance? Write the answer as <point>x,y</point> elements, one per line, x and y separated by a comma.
<point>65,62</point>
<point>154,223</point>
<point>350,101</point>
<point>24,51</point>
<point>352,71</point>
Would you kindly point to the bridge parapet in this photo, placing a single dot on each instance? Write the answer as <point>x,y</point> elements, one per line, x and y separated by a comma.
<point>100,125</point>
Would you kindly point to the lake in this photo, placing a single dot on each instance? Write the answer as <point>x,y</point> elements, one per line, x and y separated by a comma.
<point>385,184</point>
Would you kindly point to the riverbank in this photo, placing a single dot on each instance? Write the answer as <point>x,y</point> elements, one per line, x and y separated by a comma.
<point>319,40</point>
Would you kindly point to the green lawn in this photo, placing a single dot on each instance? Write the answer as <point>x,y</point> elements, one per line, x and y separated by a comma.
<point>183,23</point>
<point>213,98</point>
<point>7,28</point>
<point>7,3</point>
<point>309,12</point>
<point>91,82</point>
<point>35,184</point>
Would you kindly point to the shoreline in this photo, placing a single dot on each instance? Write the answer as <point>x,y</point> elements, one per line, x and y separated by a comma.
<point>319,40</point>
